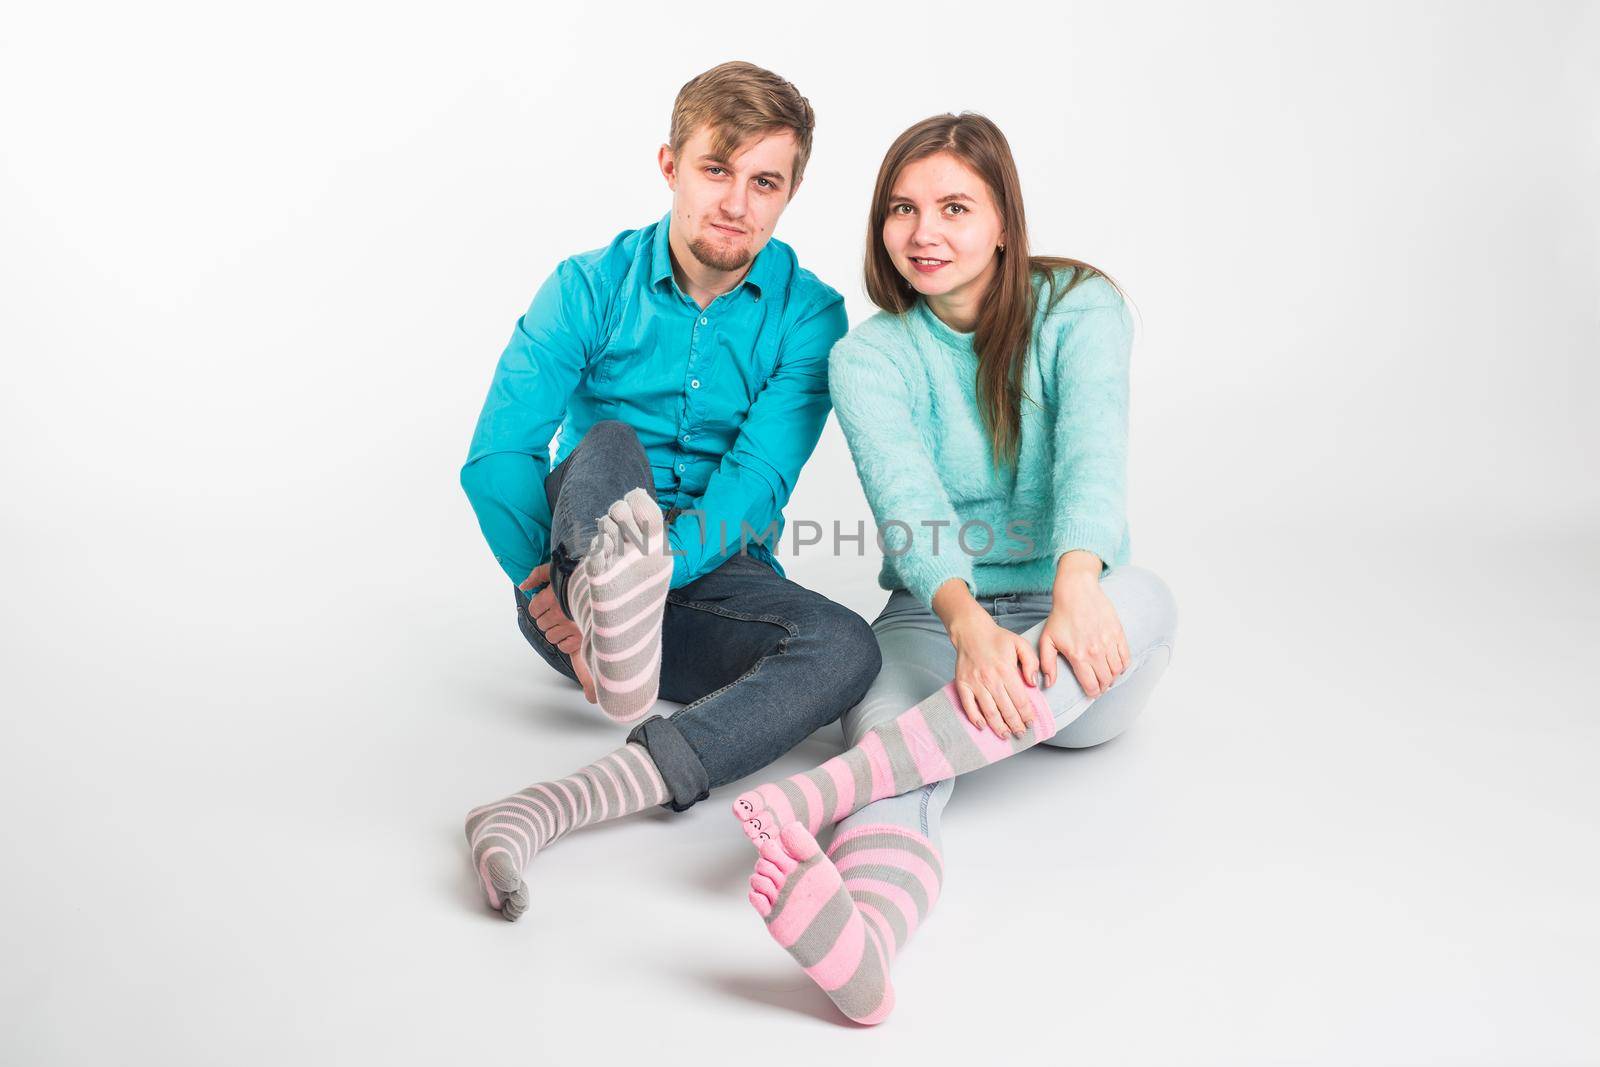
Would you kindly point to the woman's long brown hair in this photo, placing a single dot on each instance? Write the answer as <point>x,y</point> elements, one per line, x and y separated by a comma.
<point>1005,316</point>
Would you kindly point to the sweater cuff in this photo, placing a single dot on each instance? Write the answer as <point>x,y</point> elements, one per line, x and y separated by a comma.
<point>924,585</point>
<point>1103,541</point>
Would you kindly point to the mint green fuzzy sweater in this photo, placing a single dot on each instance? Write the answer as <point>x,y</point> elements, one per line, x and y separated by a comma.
<point>905,390</point>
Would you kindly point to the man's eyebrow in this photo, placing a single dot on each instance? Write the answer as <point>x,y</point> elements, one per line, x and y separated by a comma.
<point>725,165</point>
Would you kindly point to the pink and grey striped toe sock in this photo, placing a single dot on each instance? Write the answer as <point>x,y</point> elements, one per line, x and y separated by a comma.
<point>889,878</point>
<point>929,743</point>
<point>506,835</point>
<point>618,594</point>
<point>808,911</point>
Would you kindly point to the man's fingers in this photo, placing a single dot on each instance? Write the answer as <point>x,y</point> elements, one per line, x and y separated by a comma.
<point>581,669</point>
<point>536,577</point>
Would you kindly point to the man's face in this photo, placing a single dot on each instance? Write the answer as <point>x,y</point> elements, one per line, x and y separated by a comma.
<point>725,209</point>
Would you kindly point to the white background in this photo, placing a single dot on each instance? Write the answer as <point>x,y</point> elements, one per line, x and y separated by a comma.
<point>257,266</point>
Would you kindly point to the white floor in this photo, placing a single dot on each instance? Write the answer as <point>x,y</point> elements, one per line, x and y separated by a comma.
<point>1360,824</point>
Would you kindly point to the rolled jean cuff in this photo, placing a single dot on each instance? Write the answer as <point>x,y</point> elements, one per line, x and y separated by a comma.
<point>685,776</point>
<point>562,567</point>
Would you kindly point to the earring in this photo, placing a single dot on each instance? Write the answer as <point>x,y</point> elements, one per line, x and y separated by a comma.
<point>1002,248</point>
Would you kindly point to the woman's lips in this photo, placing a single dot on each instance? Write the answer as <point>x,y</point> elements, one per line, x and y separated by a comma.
<point>929,268</point>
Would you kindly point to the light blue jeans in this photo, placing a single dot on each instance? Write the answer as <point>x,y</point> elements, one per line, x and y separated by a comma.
<point>918,660</point>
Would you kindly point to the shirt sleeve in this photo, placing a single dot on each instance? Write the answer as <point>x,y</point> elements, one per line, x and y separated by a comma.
<point>902,485</point>
<point>754,480</point>
<point>1089,476</point>
<point>510,454</point>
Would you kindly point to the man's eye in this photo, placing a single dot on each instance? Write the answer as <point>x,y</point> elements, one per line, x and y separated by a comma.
<point>713,170</point>
<point>766,183</point>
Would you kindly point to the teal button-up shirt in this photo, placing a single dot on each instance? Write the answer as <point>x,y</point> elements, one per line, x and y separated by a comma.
<point>728,401</point>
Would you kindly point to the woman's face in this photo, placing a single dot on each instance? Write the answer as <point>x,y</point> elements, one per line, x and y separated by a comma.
<point>942,230</point>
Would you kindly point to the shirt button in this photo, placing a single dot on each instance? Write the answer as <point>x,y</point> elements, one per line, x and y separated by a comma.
<point>702,322</point>
<point>682,467</point>
<point>694,383</point>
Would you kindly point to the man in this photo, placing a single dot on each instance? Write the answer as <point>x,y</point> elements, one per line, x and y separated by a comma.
<point>685,366</point>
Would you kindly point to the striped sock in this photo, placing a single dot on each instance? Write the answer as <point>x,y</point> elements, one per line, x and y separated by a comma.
<point>845,916</point>
<point>506,835</point>
<point>931,742</point>
<point>808,911</point>
<point>617,595</point>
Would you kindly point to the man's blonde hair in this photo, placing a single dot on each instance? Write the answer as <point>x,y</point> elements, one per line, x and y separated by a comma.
<point>740,100</point>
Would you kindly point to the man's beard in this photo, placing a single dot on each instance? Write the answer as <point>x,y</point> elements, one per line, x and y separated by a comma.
<point>719,258</point>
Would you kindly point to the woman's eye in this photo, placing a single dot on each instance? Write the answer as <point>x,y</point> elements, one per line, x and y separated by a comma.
<point>957,208</point>
<point>896,209</point>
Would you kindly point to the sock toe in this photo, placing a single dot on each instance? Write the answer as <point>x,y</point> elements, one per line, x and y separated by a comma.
<point>603,545</point>
<point>513,906</point>
<point>631,535</point>
<point>773,852</point>
<point>503,873</point>
<point>643,505</point>
<point>799,843</point>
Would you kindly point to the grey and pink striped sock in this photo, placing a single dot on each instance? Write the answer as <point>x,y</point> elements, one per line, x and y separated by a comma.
<point>845,916</point>
<point>929,743</point>
<point>506,835</point>
<point>617,594</point>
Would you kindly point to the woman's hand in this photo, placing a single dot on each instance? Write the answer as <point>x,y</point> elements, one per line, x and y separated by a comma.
<point>1083,626</point>
<point>995,669</point>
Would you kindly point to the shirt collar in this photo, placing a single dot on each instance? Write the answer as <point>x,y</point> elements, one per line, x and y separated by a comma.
<point>762,275</point>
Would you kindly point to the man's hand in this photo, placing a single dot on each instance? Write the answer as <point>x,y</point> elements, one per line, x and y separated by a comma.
<point>559,630</point>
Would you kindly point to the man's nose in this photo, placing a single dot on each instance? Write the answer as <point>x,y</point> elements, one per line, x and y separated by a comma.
<point>734,203</point>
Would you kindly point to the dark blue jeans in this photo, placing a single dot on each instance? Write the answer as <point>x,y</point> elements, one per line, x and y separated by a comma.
<point>759,662</point>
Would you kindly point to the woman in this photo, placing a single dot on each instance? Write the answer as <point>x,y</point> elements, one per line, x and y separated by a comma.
<point>986,408</point>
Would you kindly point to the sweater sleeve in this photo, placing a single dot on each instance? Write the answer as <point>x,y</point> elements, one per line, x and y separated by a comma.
<point>908,498</point>
<point>1089,476</point>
